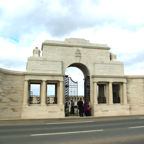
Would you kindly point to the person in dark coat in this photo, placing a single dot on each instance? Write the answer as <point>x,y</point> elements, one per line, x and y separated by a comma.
<point>80,106</point>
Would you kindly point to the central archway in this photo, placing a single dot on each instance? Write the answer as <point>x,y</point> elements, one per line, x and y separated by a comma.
<point>86,79</point>
<point>82,67</point>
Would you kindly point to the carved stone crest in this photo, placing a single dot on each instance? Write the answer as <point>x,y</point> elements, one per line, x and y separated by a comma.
<point>78,55</point>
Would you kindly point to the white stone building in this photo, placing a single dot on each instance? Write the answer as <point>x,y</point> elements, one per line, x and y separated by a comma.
<point>110,91</point>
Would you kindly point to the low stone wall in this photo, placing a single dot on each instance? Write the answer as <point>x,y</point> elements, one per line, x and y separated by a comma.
<point>110,110</point>
<point>135,94</point>
<point>38,111</point>
<point>11,94</point>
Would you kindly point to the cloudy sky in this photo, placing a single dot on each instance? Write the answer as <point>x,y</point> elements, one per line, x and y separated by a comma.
<point>25,24</point>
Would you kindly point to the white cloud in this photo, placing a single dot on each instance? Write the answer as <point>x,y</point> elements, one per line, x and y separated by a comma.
<point>137,71</point>
<point>25,24</point>
<point>14,54</point>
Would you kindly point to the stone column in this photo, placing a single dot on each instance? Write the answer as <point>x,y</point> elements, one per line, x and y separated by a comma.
<point>26,94</point>
<point>95,93</point>
<point>121,93</point>
<point>43,93</point>
<point>110,93</point>
<point>61,93</point>
<point>124,93</point>
<point>107,92</point>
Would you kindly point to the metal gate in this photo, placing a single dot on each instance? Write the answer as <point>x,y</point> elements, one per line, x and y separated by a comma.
<point>87,89</point>
<point>71,89</point>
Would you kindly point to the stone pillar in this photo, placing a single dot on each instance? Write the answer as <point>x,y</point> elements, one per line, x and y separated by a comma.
<point>124,93</point>
<point>61,93</point>
<point>107,92</point>
<point>110,93</point>
<point>43,93</point>
<point>26,94</point>
<point>95,93</point>
<point>121,93</point>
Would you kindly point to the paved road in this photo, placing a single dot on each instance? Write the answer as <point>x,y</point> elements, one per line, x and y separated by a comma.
<point>117,130</point>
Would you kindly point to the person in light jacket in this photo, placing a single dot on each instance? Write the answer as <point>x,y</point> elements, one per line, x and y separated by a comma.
<point>89,107</point>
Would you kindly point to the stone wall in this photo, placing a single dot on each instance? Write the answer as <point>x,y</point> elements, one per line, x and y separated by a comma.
<point>109,68</point>
<point>135,94</point>
<point>11,94</point>
<point>63,53</point>
<point>43,65</point>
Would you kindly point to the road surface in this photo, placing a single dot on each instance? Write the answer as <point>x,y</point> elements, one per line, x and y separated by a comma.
<point>120,130</point>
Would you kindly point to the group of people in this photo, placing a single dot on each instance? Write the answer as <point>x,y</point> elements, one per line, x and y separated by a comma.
<point>84,108</point>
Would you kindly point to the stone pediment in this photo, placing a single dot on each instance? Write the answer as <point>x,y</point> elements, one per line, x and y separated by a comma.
<point>76,41</point>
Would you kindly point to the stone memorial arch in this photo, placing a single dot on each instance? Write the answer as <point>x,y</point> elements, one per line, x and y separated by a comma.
<point>110,91</point>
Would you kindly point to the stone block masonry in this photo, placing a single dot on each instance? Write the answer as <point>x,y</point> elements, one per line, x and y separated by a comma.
<point>11,94</point>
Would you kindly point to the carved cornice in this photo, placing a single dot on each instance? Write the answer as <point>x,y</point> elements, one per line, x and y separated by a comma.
<point>108,76</point>
<point>42,74</point>
<point>76,45</point>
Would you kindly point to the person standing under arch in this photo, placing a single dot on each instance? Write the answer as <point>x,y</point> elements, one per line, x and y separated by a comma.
<point>80,106</point>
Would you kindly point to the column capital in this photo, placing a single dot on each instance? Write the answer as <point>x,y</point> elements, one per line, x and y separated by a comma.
<point>44,80</point>
<point>110,81</point>
<point>95,81</point>
<point>125,82</point>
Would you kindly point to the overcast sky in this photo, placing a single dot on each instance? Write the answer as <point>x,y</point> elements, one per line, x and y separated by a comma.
<point>25,24</point>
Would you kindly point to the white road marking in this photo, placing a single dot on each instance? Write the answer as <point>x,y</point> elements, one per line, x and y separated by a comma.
<point>66,132</point>
<point>71,122</point>
<point>136,127</point>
